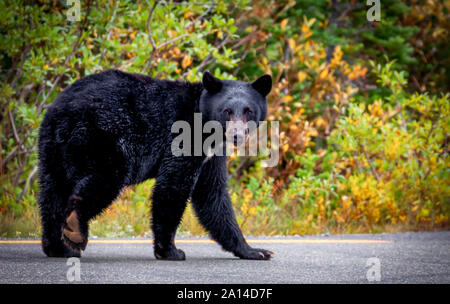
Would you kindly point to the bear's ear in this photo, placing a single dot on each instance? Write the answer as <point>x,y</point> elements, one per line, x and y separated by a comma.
<point>211,83</point>
<point>263,84</point>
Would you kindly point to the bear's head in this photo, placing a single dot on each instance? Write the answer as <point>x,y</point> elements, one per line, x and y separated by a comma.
<point>234,104</point>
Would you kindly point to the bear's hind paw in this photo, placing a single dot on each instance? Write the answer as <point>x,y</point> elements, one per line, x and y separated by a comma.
<point>72,235</point>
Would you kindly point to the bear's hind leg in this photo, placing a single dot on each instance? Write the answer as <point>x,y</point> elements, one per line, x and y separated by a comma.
<point>52,205</point>
<point>90,196</point>
<point>75,230</point>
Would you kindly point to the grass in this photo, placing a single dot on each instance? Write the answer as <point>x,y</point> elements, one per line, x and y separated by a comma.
<point>127,218</point>
<point>121,219</point>
<point>28,225</point>
<point>130,216</point>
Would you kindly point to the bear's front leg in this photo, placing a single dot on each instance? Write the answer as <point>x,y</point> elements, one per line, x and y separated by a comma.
<point>169,200</point>
<point>214,209</point>
<point>166,216</point>
<point>167,209</point>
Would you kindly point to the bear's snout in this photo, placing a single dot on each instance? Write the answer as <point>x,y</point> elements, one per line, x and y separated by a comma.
<point>237,132</point>
<point>239,139</point>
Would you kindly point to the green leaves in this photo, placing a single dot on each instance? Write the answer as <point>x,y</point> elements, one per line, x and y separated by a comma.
<point>402,148</point>
<point>41,53</point>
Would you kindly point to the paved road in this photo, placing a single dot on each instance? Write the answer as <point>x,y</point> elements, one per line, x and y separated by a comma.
<point>403,258</point>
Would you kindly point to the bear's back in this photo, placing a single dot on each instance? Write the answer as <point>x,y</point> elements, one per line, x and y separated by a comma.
<point>120,105</point>
<point>101,87</point>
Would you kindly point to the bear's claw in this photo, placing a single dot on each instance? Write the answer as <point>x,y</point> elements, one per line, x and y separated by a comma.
<point>256,254</point>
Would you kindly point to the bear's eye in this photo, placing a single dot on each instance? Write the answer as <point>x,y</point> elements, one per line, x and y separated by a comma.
<point>227,111</point>
<point>247,111</point>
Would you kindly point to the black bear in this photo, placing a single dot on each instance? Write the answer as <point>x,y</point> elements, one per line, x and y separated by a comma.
<point>113,129</point>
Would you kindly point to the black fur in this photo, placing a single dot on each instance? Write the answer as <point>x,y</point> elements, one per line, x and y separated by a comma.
<point>113,129</point>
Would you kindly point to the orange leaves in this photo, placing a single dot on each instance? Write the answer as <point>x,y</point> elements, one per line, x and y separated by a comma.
<point>247,195</point>
<point>376,109</point>
<point>131,54</point>
<point>323,74</point>
<point>305,28</point>
<point>287,98</point>
<point>351,72</point>
<point>321,123</point>
<point>356,72</point>
<point>292,44</point>
<point>172,33</point>
<point>309,91</point>
<point>337,57</point>
<point>283,23</point>
<point>306,31</point>
<point>301,76</point>
<point>249,203</point>
<point>187,60</point>
<point>293,127</point>
<point>133,34</point>
<point>175,52</point>
<point>188,14</point>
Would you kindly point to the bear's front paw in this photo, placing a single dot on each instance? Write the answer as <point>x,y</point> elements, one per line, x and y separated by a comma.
<point>171,254</point>
<point>255,254</point>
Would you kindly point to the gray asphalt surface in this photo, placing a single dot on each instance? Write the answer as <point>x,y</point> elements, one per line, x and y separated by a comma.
<point>404,258</point>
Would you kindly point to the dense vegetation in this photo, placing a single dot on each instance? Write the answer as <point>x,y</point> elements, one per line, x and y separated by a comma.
<point>363,106</point>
